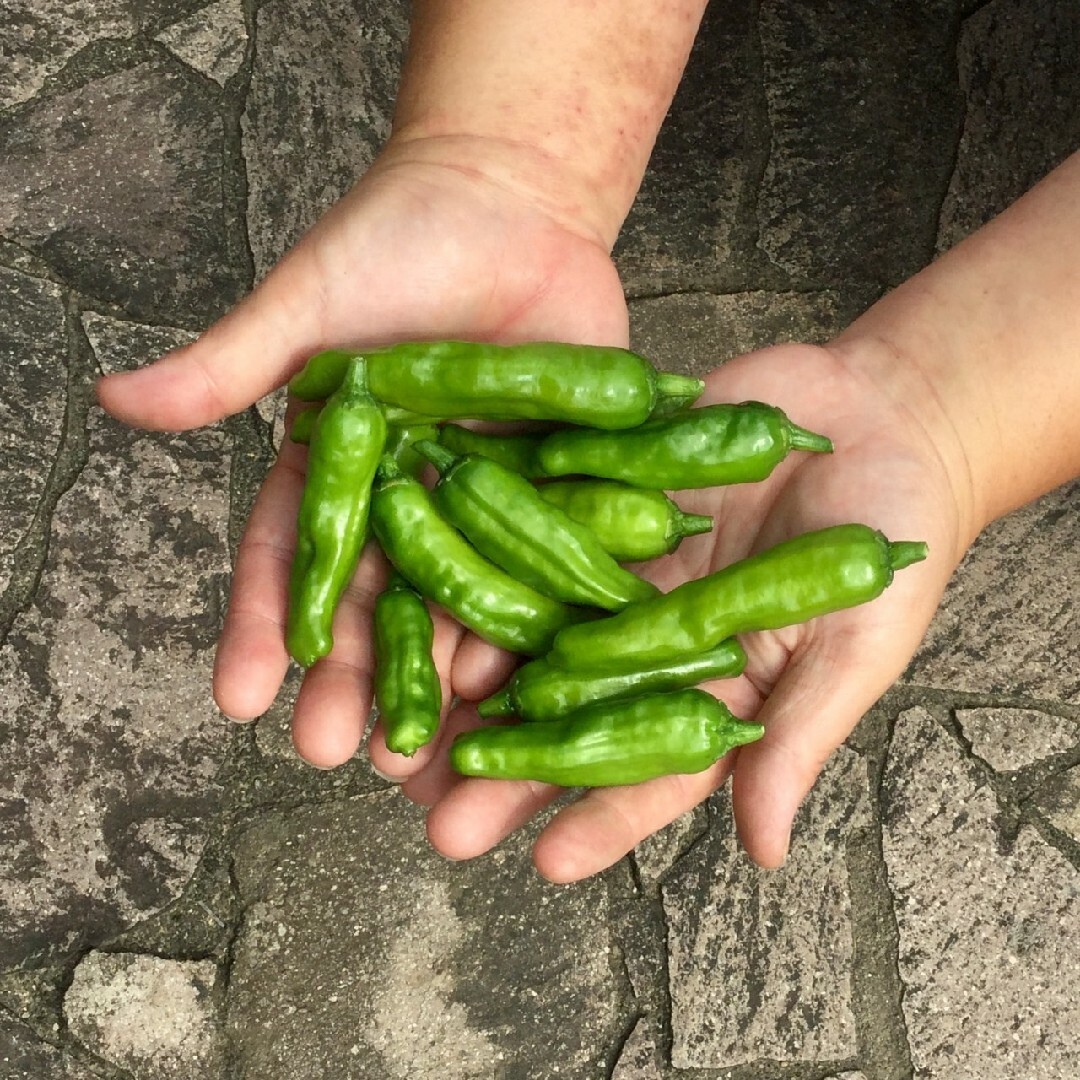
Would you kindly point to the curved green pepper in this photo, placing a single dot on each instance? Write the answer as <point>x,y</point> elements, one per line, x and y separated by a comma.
<point>595,385</point>
<point>443,566</point>
<point>504,518</point>
<point>516,452</point>
<point>634,524</point>
<point>399,438</point>
<point>799,579</point>
<point>705,447</point>
<point>346,445</point>
<point>407,688</point>
<point>541,690</point>
<point>611,743</point>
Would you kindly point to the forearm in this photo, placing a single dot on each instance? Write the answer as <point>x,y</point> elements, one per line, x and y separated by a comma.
<point>569,95</point>
<point>990,334</point>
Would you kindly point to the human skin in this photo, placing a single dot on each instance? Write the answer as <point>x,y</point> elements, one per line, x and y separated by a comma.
<point>490,215</point>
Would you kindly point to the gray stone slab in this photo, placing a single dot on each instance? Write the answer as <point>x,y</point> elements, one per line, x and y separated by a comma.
<point>695,332</point>
<point>26,1056</point>
<point>1059,802</point>
<point>1010,739</point>
<point>1019,64</point>
<point>37,39</point>
<point>152,1016</point>
<point>987,937</point>
<point>863,115</point>
<point>117,185</point>
<point>213,40</point>
<point>760,961</point>
<point>318,109</point>
<point>364,954</point>
<point>33,348</point>
<point>656,854</point>
<point>107,688</point>
<point>638,1059</point>
<point>1009,622</point>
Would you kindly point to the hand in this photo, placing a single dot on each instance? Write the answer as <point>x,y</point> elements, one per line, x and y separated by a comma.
<point>893,468</point>
<point>428,245</point>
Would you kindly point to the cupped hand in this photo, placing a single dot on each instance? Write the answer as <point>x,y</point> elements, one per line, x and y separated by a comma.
<point>430,244</point>
<point>895,467</point>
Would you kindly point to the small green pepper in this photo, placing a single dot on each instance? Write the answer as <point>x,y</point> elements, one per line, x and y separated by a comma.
<point>516,452</point>
<point>541,690</point>
<point>633,524</point>
<point>407,688</point>
<point>610,743</point>
<point>504,518</point>
<point>797,580</point>
<point>704,447</point>
<point>443,566</point>
<point>399,438</point>
<point>346,444</point>
<point>595,385</point>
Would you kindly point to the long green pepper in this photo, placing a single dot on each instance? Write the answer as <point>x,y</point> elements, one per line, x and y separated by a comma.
<point>346,444</point>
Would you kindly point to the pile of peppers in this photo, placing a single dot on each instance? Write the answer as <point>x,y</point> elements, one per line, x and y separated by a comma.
<point>523,539</point>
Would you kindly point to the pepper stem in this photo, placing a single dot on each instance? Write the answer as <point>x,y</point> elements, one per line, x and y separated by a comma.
<point>683,388</point>
<point>802,439</point>
<point>692,524</point>
<point>439,456</point>
<point>496,705</point>
<point>905,552</point>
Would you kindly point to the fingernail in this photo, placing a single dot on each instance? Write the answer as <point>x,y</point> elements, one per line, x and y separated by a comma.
<point>385,776</point>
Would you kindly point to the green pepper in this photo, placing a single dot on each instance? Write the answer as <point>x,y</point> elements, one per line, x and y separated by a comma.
<point>594,385</point>
<point>610,743</point>
<point>516,452</point>
<point>541,690</point>
<point>346,445</point>
<point>705,447</point>
<point>303,425</point>
<point>399,438</point>
<point>504,518</point>
<point>633,524</point>
<point>443,566</point>
<point>798,579</point>
<point>407,688</point>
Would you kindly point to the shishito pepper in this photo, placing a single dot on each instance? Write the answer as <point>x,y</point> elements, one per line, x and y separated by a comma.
<point>504,518</point>
<point>703,447</point>
<point>797,580</point>
<point>346,444</point>
<point>399,438</point>
<point>541,690</point>
<point>407,688</point>
<point>610,743</point>
<point>517,452</point>
<point>634,524</point>
<point>443,566</point>
<point>599,386</point>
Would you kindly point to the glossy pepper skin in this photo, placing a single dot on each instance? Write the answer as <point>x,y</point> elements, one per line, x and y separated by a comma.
<point>595,385</point>
<point>797,580</point>
<point>633,524</point>
<point>704,447</point>
<point>399,438</point>
<point>609,744</point>
<point>516,452</point>
<point>504,518</point>
<point>407,688</point>
<point>444,567</point>
<point>541,691</point>
<point>346,445</point>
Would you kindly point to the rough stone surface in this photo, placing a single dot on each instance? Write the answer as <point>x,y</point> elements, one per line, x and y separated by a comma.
<point>319,108</point>
<point>988,978</point>
<point>1059,802</point>
<point>26,1056</point>
<point>1019,64</point>
<point>33,346</point>
<point>212,41</point>
<point>107,690</point>
<point>364,954</point>
<point>759,962</point>
<point>1009,622</point>
<point>656,855</point>
<point>1010,739</point>
<point>117,185</point>
<point>150,1016</point>
<point>638,1059</point>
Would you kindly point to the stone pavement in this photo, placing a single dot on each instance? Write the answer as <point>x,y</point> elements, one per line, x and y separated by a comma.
<point>180,899</point>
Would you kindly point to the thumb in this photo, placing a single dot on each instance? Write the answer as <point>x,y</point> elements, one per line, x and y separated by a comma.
<point>243,356</point>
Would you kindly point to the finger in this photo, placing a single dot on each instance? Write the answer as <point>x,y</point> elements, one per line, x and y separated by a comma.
<point>427,786</point>
<point>480,669</point>
<point>251,659</point>
<point>238,360</point>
